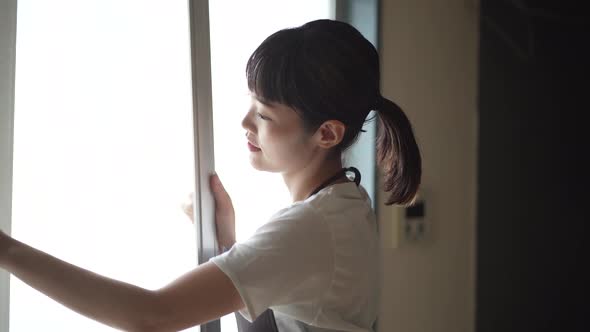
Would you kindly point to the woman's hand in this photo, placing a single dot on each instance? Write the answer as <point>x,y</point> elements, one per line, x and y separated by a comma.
<point>225,216</point>
<point>224,213</point>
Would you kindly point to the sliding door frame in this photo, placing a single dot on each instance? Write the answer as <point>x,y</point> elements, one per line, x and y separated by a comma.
<point>203,137</point>
<point>7,70</point>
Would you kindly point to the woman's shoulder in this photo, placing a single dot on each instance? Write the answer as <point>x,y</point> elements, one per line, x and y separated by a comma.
<point>299,217</point>
<point>343,200</point>
<point>291,226</point>
<point>341,208</point>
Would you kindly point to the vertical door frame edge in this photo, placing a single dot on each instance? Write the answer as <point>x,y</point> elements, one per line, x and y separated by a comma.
<point>7,85</point>
<point>203,136</point>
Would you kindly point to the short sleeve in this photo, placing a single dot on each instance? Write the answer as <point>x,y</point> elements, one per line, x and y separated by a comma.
<point>289,260</point>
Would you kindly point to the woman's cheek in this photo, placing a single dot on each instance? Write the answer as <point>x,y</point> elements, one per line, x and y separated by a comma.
<point>284,146</point>
<point>276,148</point>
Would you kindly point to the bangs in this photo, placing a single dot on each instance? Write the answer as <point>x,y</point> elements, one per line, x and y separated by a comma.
<point>272,70</point>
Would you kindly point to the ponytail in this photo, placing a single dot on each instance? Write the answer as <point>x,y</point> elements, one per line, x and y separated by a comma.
<point>397,153</point>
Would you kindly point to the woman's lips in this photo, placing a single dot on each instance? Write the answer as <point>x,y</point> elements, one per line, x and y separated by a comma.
<point>252,147</point>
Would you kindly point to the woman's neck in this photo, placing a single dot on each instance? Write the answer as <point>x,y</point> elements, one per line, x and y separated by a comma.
<point>303,182</point>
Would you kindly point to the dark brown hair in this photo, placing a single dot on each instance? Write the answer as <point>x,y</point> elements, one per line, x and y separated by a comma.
<point>326,70</point>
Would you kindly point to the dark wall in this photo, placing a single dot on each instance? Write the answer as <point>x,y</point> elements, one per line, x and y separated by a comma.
<point>534,94</point>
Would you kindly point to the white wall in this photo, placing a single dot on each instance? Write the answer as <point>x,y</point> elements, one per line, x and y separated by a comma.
<point>429,66</point>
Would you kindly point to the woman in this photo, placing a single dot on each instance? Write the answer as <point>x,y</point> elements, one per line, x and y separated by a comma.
<point>314,263</point>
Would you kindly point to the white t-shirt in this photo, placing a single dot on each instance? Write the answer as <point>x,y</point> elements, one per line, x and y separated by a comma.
<point>314,263</point>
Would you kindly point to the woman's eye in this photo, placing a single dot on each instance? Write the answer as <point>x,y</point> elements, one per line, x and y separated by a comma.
<point>262,116</point>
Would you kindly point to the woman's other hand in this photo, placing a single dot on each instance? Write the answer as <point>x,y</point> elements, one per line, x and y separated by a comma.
<point>224,213</point>
<point>187,207</point>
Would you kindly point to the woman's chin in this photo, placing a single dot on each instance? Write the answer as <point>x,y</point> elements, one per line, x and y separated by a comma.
<point>256,164</point>
<point>259,165</point>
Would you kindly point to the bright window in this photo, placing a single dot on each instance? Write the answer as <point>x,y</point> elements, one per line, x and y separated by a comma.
<point>103,145</point>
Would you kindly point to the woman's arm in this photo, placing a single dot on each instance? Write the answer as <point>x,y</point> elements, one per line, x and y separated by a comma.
<point>200,295</point>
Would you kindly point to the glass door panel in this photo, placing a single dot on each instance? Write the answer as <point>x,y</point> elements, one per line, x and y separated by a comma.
<point>103,146</point>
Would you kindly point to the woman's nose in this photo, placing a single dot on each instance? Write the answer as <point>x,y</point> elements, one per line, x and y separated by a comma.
<point>247,122</point>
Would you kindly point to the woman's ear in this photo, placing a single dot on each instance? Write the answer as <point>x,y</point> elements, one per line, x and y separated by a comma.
<point>330,134</point>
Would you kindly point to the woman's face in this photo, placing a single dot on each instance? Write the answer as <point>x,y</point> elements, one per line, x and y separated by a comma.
<point>278,140</point>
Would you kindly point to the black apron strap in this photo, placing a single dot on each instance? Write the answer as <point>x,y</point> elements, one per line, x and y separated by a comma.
<point>265,322</point>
